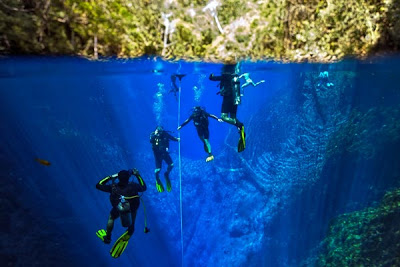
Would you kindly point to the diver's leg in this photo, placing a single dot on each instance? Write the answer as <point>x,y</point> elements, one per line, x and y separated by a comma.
<point>208,147</point>
<point>168,160</point>
<point>227,104</point>
<point>131,228</point>
<point>245,84</point>
<point>158,159</point>
<point>255,84</point>
<point>225,117</point>
<point>159,185</point>
<point>203,134</point>
<point>233,111</point>
<point>114,214</point>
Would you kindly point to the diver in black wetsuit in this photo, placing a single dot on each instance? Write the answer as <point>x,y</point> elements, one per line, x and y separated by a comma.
<point>124,198</point>
<point>174,86</point>
<point>230,91</point>
<point>160,145</point>
<point>200,121</point>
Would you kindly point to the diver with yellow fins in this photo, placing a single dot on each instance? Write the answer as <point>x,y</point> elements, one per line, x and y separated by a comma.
<point>230,91</point>
<point>200,120</point>
<point>159,140</point>
<point>125,201</point>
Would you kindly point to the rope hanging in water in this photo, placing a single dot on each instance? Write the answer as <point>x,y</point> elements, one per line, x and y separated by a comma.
<point>180,169</point>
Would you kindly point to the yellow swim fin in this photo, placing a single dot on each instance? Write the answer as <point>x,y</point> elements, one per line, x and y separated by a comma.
<point>209,158</point>
<point>242,140</point>
<point>168,182</point>
<point>120,245</point>
<point>159,185</point>
<point>102,234</point>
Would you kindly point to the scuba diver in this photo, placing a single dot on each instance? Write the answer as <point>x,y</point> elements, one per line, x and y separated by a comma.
<point>248,81</point>
<point>230,91</point>
<point>324,79</point>
<point>200,121</point>
<point>160,145</point>
<point>124,198</point>
<point>174,87</point>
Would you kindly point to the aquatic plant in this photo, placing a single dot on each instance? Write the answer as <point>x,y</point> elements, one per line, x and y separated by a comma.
<point>370,237</point>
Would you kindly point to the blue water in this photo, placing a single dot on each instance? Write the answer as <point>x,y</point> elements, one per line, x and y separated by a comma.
<point>268,206</point>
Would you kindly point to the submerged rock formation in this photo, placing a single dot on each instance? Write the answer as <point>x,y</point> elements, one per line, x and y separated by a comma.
<point>370,237</point>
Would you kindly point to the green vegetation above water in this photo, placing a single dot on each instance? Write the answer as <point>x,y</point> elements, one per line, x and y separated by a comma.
<point>201,30</point>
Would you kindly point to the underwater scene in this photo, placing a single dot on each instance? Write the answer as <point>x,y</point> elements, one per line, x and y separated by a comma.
<point>199,164</point>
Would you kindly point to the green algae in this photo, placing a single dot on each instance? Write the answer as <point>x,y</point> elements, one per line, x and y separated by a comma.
<point>370,237</point>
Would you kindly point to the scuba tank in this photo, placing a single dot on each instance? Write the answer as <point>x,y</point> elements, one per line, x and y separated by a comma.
<point>124,209</point>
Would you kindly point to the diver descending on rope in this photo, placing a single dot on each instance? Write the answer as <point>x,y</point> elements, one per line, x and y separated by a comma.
<point>230,91</point>
<point>124,198</point>
<point>200,121</point>
<point>174,87</point>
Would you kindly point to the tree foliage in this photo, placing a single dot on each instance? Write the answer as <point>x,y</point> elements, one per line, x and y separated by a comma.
<point>297,30</point>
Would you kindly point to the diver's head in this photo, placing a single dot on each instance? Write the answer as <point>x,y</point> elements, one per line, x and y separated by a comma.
<point>123,177</point>
<point>230,68</point>
<point>197,109</point>
<point>159,130</point>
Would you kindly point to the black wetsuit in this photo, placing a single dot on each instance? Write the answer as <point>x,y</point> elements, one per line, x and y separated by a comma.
<point>131,189</point>
<point>160,146</point>
<point>200,121</point>
<point>230,90</point>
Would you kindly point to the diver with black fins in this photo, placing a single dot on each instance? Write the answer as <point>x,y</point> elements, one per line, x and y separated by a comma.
<point>174,87</point>
<point>200,121</point>
<point>124,198</point>
<point>160,145</point>
<point>230,91</point>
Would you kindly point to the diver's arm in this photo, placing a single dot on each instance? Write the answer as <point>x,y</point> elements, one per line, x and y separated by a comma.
<point>185,122</point>
<point>141,182</point>
<point>170,137</point>
<point>102,184</point>
<point>213,116</point>
<point>215,78</point>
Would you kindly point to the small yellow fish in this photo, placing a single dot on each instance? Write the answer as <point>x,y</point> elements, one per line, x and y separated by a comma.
<point>43,162</point>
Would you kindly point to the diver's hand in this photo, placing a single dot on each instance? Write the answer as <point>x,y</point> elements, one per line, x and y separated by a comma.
<point>220,120</point>
<point>178,139</point>
<point>211,76</point>
<point>135,171</point>
<point>180,127</point>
